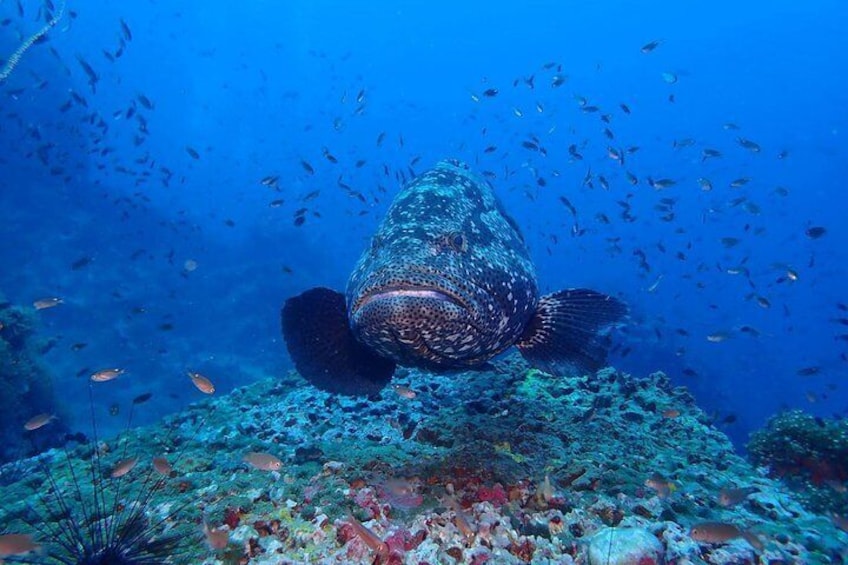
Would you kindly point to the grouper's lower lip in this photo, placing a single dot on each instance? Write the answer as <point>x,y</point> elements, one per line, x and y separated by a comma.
<point>393,293</point>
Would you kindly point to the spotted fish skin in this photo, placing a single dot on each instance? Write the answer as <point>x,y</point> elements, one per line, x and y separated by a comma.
<point>447,280</point>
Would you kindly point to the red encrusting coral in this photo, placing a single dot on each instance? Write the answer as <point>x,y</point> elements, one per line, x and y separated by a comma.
<point>495,494</point>
<point>232,517</point>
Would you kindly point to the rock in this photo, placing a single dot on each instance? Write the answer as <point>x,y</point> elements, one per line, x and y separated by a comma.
<point>625,546</point>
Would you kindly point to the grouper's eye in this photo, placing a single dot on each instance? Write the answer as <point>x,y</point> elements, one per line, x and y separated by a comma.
<point>457,241</point>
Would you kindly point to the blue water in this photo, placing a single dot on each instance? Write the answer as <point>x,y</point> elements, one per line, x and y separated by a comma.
<point>256,89</point>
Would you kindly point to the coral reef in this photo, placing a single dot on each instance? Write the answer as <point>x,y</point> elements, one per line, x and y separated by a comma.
<point>624,546</point>
<point>26,387</point>
<point>504,465</point>
<point>810,454</point>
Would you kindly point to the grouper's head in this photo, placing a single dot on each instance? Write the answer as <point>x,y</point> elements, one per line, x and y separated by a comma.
<point>447,279</point>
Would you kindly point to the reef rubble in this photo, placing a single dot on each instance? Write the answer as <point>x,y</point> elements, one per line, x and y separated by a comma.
<point>503,465</point>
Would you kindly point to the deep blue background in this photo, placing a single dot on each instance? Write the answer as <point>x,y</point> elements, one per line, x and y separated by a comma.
<point>257,88</point>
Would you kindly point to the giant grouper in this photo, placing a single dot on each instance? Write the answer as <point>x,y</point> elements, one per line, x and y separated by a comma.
<point>446,283</point>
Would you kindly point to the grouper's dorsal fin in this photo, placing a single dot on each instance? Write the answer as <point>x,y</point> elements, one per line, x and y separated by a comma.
<point>324,349</point>
<point>566,331</point>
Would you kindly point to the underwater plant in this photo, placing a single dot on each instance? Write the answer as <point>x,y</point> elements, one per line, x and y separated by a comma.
<point>91,513</point>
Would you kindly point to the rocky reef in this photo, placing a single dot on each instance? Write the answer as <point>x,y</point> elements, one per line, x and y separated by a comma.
<point>506,465</point>
<point>26,387</point>
<point>809,454</point>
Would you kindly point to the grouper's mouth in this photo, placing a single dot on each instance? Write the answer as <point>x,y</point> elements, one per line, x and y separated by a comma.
<point>401,292</point>
<point>417,323</point>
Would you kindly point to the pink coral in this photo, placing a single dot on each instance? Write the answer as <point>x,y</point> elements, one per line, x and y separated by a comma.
<point>496,495</point>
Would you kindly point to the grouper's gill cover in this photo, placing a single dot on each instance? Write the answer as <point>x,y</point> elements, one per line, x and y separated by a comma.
<point>447,280</point>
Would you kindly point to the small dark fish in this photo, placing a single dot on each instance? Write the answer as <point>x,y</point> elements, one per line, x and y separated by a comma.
<point>142,398</point>
<point>491,92</point>
<point>661,184</point>
<point>299,221</point>
<point>815,232</point>
<point>650,46</point>
<point>569,205</point>
<point>329,156</point>
<point>80,263</point>
<point>270,181</point>
<point>729,497</point>
<point>125,30</point>
<point>708,153</point>
<point>307,167</point>
<point>808,371</point>
<point>144,101</point>
<point>89,70</point>
<point>192,152</point>
<point>748,144</point>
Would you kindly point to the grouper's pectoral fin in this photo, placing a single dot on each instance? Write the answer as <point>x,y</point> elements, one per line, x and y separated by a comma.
<point>567,330</point>
<point>324,349</point>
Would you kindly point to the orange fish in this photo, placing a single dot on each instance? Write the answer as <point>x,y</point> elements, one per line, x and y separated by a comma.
<point>218,538</point>
<point>203,384</point>
<point>263,461</point>
<point>123,467</point>
<point>661,485</point>
<point>16,544</point>
<point>370,539</point>
<point>671,413</point>
<point>43,303</point>
<point>162,466</point>
<point>404,392</point>
<point>461,521</point>
<point>107,375</point>
<point>722,532</point>
<point>728,497</point>
<point>39,421</point>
